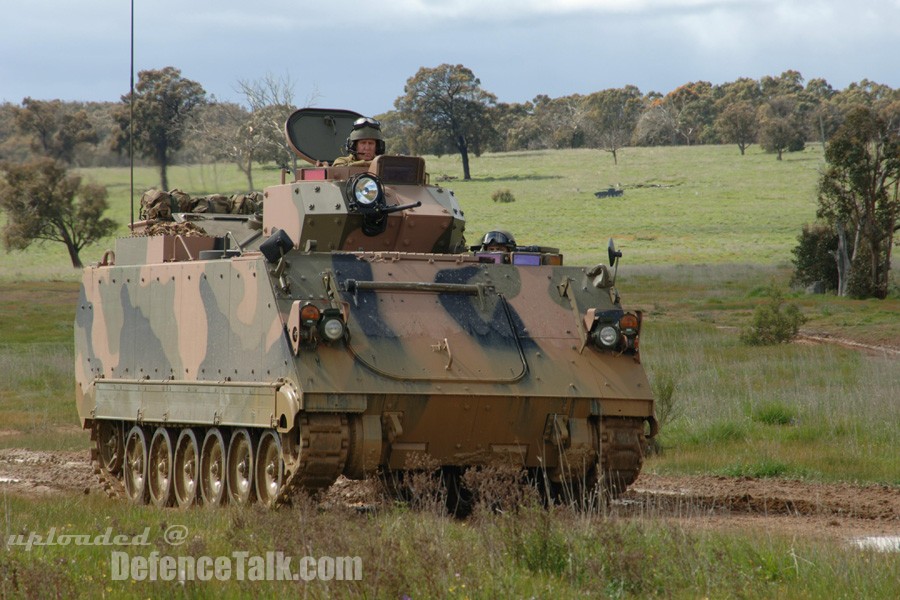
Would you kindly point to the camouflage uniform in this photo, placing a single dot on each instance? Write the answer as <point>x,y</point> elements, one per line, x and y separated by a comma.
<point>349,160</point>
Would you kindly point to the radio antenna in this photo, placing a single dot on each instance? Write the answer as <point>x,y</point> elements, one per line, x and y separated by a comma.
<point>131,121</point>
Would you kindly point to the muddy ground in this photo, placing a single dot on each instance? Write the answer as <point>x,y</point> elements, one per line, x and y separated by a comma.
<point>840,511</point>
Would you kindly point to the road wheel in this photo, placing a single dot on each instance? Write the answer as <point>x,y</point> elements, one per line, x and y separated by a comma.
<point>212,469</point>
<point>240,468</point>
<point>159,468</point>
<point>269,468</point>
<point>136,465</point>
<point>110,447</point>
<point>187,467</point>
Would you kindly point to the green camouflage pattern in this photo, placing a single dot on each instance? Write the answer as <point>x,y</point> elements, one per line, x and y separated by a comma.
<point>467,359</point>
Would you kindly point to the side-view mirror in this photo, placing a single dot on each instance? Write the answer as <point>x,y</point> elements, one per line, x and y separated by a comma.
<point>613,253</point>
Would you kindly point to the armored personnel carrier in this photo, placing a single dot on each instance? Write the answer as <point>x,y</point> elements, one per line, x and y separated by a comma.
<point>348,330</point>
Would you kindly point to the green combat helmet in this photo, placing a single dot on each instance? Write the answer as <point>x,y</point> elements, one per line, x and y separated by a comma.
<point>365,128</point>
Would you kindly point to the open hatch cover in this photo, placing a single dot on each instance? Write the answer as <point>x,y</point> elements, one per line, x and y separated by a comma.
<point>319,134</point>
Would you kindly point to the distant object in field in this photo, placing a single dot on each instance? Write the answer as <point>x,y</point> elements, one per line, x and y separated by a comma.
<point>609,193</point>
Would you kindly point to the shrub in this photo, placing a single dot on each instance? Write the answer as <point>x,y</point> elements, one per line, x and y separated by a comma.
<point>774,322</point>
<point>503,195</point>
<point>813,257</point>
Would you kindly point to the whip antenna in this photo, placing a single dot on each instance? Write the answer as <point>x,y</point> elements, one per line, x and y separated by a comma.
<point>131,121</point>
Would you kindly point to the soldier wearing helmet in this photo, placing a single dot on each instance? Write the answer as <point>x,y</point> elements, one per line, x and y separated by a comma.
<point>364,144</point>
<point>496,241</point>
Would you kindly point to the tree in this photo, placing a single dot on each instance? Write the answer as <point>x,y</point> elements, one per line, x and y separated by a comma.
<point>39,198</point>
<point>397,132</point>
<point>743,89</point>
<point>655,127</point>
<point>214,133</point>
<point>224,130</point>
<point>448,103</point>
<point>814,263</point>
<point>867,93</point>
<point>558,122</point>
<point>517,121</point>
<point>163,103</point>
<point>271,102</point>
<point>690,109</point>
<point>56,128</point>
<point>858,197</point>
<point>612,116</point>
<point>781,126</point>
<point>737,124</point>
<point>825,119</point>
<point>789,83</point>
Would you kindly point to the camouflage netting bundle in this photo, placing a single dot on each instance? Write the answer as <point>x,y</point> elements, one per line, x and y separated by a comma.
<point>157,205</point>
<point>171,228</point>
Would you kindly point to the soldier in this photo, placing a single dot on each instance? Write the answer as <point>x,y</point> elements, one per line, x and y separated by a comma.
<point>364,144</point>
<point>498,241</point>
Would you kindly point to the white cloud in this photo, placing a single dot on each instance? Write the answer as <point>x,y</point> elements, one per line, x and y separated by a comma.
<point>519,48</point>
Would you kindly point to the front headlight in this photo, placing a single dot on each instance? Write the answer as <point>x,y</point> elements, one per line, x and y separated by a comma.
<point>332,328</point>
<point>608,336</point>
<point>365,192</point>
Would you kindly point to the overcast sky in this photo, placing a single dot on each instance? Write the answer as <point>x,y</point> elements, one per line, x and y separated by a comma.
<point>358,55</point>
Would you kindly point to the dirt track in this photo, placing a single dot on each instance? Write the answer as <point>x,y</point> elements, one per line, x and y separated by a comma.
<point>839,511</point>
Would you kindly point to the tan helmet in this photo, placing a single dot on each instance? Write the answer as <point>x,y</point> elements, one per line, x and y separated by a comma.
<point>365,128</point>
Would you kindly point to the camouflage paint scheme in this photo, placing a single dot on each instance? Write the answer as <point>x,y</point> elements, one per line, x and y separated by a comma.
<point>445,353</point>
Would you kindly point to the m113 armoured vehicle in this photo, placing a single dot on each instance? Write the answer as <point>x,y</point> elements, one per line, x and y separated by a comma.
<point>348,330</point>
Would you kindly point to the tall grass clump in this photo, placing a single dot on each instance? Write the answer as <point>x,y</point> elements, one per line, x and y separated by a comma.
<point>774,413</point>
<point>505,196</point>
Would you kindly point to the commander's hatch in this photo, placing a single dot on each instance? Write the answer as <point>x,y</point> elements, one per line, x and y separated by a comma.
<point>319,134</point>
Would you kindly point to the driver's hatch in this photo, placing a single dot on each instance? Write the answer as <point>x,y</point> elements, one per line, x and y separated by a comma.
<point>434,332</point>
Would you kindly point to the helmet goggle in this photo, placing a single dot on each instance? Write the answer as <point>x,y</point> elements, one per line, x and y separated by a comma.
<point>366,122</point>
<point>499,238</point>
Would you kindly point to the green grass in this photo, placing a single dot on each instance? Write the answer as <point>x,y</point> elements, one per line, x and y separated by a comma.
<point>682,205</point>
<point>530,553</point>
<point>699,249</point>
<point>802,405</point>
<point>685,205</point>
<point>36,366</point>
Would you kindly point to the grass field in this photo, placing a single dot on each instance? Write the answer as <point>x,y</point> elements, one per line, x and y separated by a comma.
<point>532,553</point>
<point>684,205</point>
<point>704,231</point>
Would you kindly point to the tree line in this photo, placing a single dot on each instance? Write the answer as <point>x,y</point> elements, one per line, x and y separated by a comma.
<point>442,110</point>
<point>445,109</point>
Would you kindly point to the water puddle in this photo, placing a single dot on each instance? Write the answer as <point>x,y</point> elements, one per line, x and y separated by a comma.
<point>882,543</point>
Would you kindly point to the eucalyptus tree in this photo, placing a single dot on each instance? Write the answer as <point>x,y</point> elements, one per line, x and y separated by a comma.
<point>447,107</point>
<point>858,197</point>
<point>163,103</point>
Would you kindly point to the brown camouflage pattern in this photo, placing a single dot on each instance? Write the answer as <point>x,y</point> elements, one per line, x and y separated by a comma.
<point>464,361</point>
